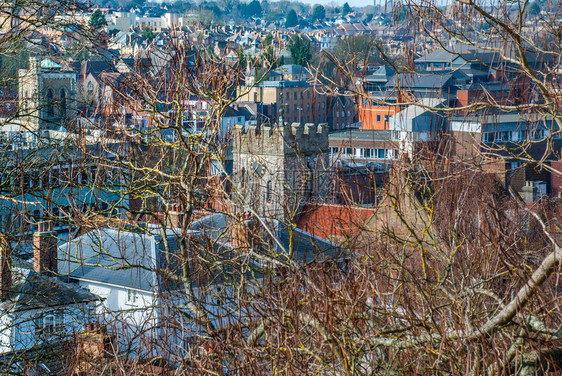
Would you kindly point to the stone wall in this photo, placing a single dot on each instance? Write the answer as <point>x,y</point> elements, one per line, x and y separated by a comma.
<point>277,169</point>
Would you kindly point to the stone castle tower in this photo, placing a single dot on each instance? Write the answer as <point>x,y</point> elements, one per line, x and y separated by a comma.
<point>278,169</point>
<point>47,95</point>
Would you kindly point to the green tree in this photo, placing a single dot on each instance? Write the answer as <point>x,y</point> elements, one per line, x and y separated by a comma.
<point>367,17</point>
<point>242,60</point>
<point>534,9</point>
<point>268,40</point>
<point>292,19</point>
<point>359,49</point>
<point>300,50</point>
<point>97,21</point>
<point>252,9</point>
<point>148,33</point>
<point>265,6</point>
<point>268,50</point>
<point>318,13</point>
<point>207,17</point>
<point>346,9</point>
<point>10,65</point>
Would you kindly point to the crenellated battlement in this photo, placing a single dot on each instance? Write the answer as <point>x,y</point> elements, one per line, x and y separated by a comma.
<point>287,139</point>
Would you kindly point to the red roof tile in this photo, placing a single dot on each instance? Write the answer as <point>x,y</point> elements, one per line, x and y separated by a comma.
<point>329,221</point>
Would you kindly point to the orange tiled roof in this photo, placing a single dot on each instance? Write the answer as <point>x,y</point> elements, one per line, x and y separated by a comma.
<point>329,220</point>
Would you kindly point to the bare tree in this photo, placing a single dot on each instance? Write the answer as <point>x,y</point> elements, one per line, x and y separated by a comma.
<point>452,274</point>
<point>445,292</point>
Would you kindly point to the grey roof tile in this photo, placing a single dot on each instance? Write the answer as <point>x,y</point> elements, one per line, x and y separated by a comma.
<point>30,290</point>
<point>122,258</point>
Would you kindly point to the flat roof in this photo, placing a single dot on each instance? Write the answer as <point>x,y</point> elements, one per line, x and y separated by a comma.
<point>283,83</point>
<point>361,135</point>
<point>501,117</point>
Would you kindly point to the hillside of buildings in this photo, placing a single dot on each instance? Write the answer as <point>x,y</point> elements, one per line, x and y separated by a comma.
<point>263,188</point>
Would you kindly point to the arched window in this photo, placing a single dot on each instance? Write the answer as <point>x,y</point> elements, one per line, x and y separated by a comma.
<point>50,108</point>
<point>63,103</point>
<point>90,89</point>
<point>268,193</point>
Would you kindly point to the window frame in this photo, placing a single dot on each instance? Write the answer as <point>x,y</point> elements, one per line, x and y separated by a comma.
<point>49,323</point>
<point>132,297</point>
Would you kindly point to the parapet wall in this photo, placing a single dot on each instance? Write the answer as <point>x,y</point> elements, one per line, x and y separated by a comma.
<point>304,139</point>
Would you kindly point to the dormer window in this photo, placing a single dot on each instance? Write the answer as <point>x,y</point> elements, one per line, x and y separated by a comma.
<point>49,323</point>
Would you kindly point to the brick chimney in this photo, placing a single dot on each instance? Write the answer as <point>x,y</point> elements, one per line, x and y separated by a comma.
<point>244,231</point>
<point>175,215</point>
<point>45,249</point>
<point>5,272</point>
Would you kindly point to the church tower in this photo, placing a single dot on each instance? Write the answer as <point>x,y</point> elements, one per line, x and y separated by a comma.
<point>278,169</point>
<point>47,95</point>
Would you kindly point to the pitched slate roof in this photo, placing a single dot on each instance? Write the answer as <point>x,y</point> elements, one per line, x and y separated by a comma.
<point>117,257</point>
<point>381,74</point>
<point>420,81</point>
<point>437,56</point>
<point>96,68</point>
<point>232,112</point>
<point>30,290</point>
<point>307,247</point>
<point>488,58</point>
